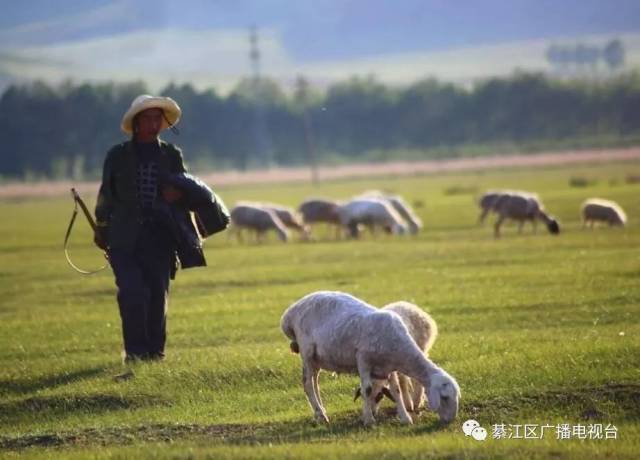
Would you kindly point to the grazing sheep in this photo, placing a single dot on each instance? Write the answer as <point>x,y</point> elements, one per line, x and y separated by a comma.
<point>256,218</point>
<point>371,212</point>
<point>423,330</point>
<point>288,217</point>
<point>522,206</point>
<point>320,210</point>
<point>413,222</point>
<point>599,210</point>
<point>338,332</point>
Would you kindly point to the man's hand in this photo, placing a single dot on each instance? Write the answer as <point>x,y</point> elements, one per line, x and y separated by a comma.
<point>170,194</point>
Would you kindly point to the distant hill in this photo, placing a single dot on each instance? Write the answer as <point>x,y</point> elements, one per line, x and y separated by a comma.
<point>207,58</point>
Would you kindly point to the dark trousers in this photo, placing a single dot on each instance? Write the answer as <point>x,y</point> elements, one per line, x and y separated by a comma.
<point>142,277</point>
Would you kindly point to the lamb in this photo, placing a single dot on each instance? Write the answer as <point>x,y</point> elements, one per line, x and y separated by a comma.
<point>318,210</point>
<point>256,218</point>
<point>370,212</point>
<point>522,206</point>
<point>401,207</point>
<point>338,332</point>
<point>597,209</point>
<point>423,330</point>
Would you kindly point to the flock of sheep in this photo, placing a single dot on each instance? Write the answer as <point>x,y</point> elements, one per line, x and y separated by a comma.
<point>372,210</point>
<point>375,210</point>
<point>525,206</point>
<point>386,347</point>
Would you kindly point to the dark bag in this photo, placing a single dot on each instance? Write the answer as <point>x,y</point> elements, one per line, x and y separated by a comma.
<point>211,214</point>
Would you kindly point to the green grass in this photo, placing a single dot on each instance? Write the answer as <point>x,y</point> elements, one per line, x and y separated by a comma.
<point>537,329</point>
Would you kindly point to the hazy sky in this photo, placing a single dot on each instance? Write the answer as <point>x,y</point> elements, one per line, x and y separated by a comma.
<point>208,39</point>
<point>327,29</point>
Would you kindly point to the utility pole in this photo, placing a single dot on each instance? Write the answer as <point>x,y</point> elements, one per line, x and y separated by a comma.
<point>302,87</point>
<point>261,140</point>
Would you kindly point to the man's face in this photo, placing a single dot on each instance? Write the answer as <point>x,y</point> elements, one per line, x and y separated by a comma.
<point>149,124</point>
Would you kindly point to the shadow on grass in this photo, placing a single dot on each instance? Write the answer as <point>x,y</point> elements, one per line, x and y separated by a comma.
<point>64,406</point>
<point>31,385</point>
<point>291,431</point>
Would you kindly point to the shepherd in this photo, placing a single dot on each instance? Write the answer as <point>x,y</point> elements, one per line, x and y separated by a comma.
<point>142,226</point>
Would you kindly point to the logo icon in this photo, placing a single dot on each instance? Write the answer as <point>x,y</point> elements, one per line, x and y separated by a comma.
<point>472,428</point>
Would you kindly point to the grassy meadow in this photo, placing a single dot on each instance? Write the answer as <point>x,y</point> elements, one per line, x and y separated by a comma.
<point>537,329</point>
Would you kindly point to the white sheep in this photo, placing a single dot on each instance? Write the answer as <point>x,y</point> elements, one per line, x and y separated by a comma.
<point>371,212</point>
<point>253,217</point>
<point>599,210</point>
<point>318,210</point>
<point>522,206</point>
<point>413,222</point>
<point>423,330</point>
<point>338,332</point>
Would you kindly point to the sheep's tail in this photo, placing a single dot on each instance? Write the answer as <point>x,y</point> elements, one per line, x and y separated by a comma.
<point>287,329</point>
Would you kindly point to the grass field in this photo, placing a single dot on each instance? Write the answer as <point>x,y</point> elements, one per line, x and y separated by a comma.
<point>538,330</point>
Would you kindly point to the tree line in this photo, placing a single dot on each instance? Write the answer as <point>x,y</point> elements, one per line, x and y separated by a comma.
<point>581,57</point>
<point>65,131</point>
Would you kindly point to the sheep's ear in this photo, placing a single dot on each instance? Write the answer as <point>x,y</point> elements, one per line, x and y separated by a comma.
<point>433,395</point>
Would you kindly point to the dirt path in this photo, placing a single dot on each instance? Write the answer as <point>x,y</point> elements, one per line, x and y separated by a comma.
<point>398,168</point>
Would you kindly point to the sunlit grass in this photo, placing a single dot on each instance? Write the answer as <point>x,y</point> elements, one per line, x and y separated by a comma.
<point>537,329</point>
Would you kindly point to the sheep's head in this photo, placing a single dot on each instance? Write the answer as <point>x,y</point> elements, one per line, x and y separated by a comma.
<point>283,235</point>
<point>444,396</point>
<point>553,226</point>
<point>398,229</point>
<point>414,227</point>
<point>616,220</point>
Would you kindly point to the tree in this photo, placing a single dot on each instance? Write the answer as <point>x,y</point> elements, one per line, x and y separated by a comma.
<point>614,54</point>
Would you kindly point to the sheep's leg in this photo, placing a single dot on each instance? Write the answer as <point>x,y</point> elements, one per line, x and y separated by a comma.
<point>535,225</point>
<point>418,395</point>
<point>406,389</point>
<point>483,215</point>
<point>394,387</point>
<point>353,230</point>
<point>520,226</point>
<point>309,381</point>
<point>316,388</point>
<point>234,232</point>
<point>366,387</point>
<point>376,393</point>
<point>496,227</point>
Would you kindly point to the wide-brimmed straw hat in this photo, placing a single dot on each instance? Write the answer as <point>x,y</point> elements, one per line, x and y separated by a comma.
<point>170,108</point>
